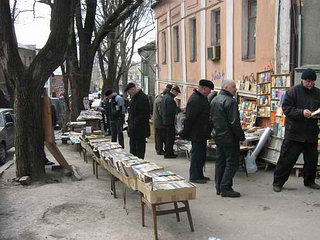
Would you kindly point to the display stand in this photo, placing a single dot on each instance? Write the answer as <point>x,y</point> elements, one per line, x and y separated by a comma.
<point>155,213</point>
<point>263,93</point>
<point>150,196</point>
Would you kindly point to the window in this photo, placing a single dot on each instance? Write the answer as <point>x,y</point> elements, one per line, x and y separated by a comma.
<point>176,43</point>
<point>193,39</point>
<point>164,47</point>
<point>252,17</point>
<point>215,27</point>
<point>249,8</point>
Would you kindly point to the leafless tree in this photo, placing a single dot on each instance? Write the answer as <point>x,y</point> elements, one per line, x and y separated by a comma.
<point>117,50</point>
<point>81,67</point>
<point>28,82</point>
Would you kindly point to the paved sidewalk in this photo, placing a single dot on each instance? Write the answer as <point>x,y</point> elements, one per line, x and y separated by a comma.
<point>66,209</point>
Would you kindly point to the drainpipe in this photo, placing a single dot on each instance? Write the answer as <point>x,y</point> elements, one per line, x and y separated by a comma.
<point>299,35</point>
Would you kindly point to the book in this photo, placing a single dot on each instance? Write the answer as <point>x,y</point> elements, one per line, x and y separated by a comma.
<point>317,112</point>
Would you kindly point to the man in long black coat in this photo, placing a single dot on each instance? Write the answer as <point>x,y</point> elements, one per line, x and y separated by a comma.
<point>169,111</point>
<point>138,120</point>
<point>197,129</point>
<point>301,132</point>
<point>227,135</point>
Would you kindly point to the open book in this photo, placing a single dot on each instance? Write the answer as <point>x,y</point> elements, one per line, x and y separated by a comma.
<point>315,112</point>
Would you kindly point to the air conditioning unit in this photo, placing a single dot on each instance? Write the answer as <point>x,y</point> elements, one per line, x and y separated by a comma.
<point>214,52</point>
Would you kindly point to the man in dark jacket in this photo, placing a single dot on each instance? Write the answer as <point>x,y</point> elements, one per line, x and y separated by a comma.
<point>227,135</point>
<point>116,113</point>
<point>301,132</point>
<point>157,121</point>
<point>138,120</point>
<point>197,129</point>
<point>169,111</point>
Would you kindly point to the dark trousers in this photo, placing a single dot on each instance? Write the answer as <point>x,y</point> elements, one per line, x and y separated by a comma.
<point>116,132</point>
<point>159,139</point>
<point>138,147</point>
<point>170,135</point>
<point>198,158</point>
<point>227,164</point>
<point>290,151</point>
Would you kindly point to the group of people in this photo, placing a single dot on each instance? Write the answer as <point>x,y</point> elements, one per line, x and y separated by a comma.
<point>219,119</point>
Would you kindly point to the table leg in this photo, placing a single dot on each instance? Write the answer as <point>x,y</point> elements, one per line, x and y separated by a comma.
<point>186,203</point>
<point>155,226</point>
<point>93,167</point>
<point>142,212</point>
<point>96,165</point>
<point>177,213</point>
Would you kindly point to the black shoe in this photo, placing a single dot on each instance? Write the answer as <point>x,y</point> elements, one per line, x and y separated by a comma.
<point>160,153</point>
<point>206,178</point>
<point>313,186</point>
<point>200,181</point>
<point>218,192</point>
<point>48,163</point>
<point>277,188</point>
<point>231,194</point>
<point>170,156</point>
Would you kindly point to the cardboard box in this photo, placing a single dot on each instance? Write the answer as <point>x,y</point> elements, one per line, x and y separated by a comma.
<point>162,196</point>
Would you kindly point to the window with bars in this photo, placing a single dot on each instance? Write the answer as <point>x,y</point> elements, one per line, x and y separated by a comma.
<point>193,39</point>
<point>252,17</point>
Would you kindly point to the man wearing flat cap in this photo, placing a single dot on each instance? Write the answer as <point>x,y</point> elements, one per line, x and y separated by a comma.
<point>138,120</point>
<point>301,132</point>
<point>169,111</point>
<point>197,129</point>
<point>159,137</point>
<point>227,133</point>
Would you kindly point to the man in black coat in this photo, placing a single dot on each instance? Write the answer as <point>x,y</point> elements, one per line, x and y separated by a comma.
<point>227,133</point>
<point>159,137</point>
<point>197,129</point>
<point>169,111</point>
<point>301,132</point>
<point>138,120</point>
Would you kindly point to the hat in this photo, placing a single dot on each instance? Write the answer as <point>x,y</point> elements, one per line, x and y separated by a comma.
<point>309,74</point>
<point>169,86</point>
<point>129,85</point>
<point>206,83</point>
<point>176,88</point>
<point>108,92</point>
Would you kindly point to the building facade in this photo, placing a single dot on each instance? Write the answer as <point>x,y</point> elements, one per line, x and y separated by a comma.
<point>217,40</point>
<point>148,71</point>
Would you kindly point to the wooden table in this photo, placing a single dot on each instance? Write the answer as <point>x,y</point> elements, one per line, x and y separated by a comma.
<point>155,213</point>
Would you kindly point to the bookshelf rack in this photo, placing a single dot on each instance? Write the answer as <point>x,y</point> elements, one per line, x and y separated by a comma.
<point>264,93</point>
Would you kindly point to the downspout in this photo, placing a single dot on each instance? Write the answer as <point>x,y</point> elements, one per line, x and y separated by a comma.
<point>299,34</point>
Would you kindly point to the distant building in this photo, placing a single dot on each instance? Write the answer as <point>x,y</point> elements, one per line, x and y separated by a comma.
<point>148,70</point>
<point>27,54</point>
<point>223,39</point>
<point>56,86</point>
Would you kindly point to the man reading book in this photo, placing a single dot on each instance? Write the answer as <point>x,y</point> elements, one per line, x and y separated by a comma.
<point>301,132</point>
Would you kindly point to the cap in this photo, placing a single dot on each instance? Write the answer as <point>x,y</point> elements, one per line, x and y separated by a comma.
<point>176,88</point>
<point>169,86</point>
<point>129,85</point>
<point>309,74</point>
<point>108,92</point>
<point>206,83</point>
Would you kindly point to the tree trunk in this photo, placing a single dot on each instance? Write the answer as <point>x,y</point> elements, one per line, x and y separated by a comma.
<point>28,135</point>
<point>112,66</point>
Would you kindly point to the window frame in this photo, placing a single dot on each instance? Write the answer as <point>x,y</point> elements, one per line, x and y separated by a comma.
<point>193,39</point>
<point>164,47</point>
<point>176,41</point>
<point>215,25</point>
<point>251,18</point>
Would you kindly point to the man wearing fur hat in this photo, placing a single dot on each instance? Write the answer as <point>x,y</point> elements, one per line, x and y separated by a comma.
<point>197,129</point>
<point>301,132</point>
